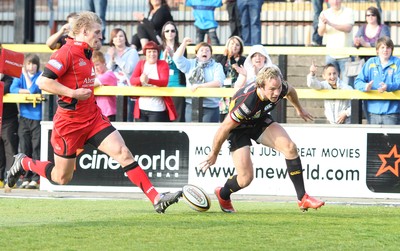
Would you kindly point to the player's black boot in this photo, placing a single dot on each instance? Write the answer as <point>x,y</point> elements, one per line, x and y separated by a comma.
<point>166,200</point>
<point>16,170</point>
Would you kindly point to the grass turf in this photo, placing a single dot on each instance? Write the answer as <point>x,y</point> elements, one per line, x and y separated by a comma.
<point>70,224</point>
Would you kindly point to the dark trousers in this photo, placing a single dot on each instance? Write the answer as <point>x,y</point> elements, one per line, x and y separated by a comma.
<point>8,144</point>
<point>180,106</point>
<point>144,30</point>
<point>29,141</point>
<point>150,116</point>
<point>234,19</point>
<point>317,7</point>
<point>212,33</point>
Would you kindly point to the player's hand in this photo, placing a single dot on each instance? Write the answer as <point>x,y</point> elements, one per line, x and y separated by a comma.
<point>211,159</point>
<point>305,115</point>
<point>82,94</point>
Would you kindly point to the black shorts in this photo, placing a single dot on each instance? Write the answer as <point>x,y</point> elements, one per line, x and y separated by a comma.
<point>240,136</point>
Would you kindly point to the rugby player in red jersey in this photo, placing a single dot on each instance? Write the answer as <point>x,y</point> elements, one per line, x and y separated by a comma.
<point>249,118</point>
<point>70,75</point>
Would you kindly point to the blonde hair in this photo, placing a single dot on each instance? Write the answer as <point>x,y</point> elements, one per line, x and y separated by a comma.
<point>85,19</point>
<point>98,56</point>
<point>267,73</point>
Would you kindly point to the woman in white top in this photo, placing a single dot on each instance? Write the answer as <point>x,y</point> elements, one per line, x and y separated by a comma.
<point>257,59</point>
<point>155,73</point>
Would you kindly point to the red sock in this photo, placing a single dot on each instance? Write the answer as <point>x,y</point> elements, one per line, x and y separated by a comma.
<point>138,177</point>
<point>36,166</point>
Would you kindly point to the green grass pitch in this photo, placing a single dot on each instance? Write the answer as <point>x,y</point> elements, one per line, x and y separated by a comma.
<point>86,224</point>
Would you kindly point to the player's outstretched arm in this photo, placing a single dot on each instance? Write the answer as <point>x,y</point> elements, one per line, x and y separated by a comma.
<point>294,100</point>
<point>219,138</point>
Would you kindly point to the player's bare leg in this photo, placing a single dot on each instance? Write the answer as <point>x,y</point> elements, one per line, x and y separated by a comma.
<point>114,146</point>
<point>277,138</point>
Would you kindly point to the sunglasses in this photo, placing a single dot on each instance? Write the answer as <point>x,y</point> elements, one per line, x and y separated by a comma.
<point>167,31</point>
<point>370,15</point>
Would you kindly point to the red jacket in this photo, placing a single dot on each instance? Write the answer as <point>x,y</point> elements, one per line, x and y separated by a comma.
<point>163,75</point>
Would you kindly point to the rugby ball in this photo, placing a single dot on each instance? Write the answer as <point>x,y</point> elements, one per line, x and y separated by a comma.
<point>196,198</point>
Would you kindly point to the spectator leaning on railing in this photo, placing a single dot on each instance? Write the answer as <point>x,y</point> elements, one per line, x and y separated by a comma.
<point>381,73</point>
<point>201,72</point>
<point>336,111</point>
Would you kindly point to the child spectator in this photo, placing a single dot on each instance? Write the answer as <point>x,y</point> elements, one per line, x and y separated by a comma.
<point>204,20</point>
<point>107,104</point>
<point>381,74</point>
<point>336,111</point>
<point>30,116</point>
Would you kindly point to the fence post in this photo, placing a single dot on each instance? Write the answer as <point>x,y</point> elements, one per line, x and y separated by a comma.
<point>356,111</point>
<point>24,21</point>
<point>279,113</point>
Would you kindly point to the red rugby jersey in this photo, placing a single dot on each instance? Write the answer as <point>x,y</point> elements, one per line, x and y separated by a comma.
<point>73,65</point>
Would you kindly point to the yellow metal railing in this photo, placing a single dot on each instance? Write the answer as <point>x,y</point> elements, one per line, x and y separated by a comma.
<point>272,50</point>
<point>209,92</point>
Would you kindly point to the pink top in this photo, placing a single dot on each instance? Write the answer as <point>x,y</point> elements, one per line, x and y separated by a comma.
<point>107,104</point>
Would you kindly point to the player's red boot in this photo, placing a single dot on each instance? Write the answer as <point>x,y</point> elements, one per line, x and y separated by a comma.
<point>309,202</point>
<point>226,205</point>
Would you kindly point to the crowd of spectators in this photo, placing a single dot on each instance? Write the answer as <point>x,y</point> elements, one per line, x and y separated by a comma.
<point>165,63</point>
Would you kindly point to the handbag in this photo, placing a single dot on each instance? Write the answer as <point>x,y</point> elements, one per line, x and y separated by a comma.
<point>11,62</point>
<point>353,68</point>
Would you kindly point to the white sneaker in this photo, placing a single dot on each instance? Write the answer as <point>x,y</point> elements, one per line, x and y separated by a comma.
<point>32,185</point>
<point>24,184</point>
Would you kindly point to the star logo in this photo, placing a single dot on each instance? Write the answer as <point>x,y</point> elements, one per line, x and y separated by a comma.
<point>390,162</point>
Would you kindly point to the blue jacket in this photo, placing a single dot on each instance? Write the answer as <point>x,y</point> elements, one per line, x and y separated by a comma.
<point>390,75</point>
<point>27,110</point>
<point>203,12</point>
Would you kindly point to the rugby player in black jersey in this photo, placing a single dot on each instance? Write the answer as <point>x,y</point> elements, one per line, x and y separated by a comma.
<point>249,118</point>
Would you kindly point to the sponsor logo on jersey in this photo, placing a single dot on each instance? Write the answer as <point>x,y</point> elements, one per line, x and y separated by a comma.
<point>245,108</point>
<point>54,63</point>
<point>268,107</point>
<point>82,62</point>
